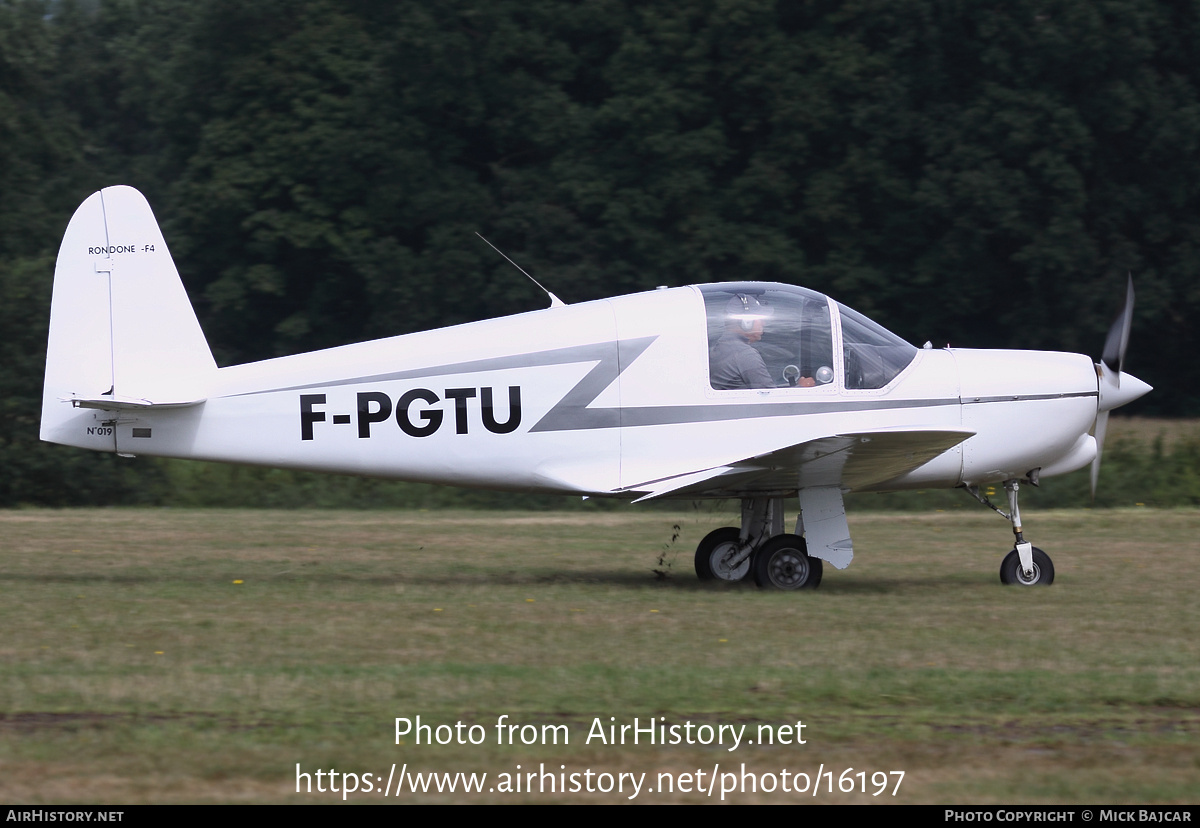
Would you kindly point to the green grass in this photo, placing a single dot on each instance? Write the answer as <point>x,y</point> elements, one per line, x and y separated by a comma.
<point>134,667</point>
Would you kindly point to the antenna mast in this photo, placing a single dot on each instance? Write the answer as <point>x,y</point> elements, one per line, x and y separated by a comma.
<point>555,302</point>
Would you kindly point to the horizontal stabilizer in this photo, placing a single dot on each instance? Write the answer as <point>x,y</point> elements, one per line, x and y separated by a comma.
<point>126,403</point>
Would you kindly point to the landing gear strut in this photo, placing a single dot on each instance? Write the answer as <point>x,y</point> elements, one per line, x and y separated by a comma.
<point>726,554</point>
<point>1025,565</point>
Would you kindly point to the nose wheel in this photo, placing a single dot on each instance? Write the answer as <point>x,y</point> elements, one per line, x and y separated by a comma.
<point>1039,573</point>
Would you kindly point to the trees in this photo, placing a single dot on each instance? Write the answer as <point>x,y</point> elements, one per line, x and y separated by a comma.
<point>984,176</point>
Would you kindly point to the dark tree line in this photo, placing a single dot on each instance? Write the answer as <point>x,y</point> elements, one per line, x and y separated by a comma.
<point>983,176</point>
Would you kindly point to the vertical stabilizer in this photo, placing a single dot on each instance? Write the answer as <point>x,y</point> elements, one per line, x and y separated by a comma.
<point>122,332</point>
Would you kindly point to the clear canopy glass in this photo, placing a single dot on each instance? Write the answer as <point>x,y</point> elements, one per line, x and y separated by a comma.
<point>781,336</point>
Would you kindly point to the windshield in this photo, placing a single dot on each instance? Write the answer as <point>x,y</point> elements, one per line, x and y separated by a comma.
<point>874,355</point>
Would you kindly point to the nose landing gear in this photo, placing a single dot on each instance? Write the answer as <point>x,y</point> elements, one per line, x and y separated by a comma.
<point>1025,565</point>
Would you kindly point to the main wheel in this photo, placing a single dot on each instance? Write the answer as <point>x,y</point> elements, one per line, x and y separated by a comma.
<point>783,563</point>
<point>711,555</point>
<point>1042,575</point>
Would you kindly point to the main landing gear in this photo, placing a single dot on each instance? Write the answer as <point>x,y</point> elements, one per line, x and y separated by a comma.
<point>721,556</point>
<point>1025,565</point>
<point>783,562</point>
<point>777,560</point>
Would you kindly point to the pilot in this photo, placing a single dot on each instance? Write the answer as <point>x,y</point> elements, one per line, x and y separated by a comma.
<point>734,362</point>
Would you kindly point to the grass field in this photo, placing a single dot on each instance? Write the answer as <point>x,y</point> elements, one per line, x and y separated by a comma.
<point>170,656</point>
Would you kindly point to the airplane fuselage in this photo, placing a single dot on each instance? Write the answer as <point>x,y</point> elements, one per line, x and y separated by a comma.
<point>598,398</point>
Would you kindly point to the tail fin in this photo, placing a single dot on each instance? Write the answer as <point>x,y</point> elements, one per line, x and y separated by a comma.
<point>123,334</point>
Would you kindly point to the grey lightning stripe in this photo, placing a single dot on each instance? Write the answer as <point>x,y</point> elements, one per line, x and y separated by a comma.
<point>603,353</point>
<point>673,414</point>
<point>572,412</point>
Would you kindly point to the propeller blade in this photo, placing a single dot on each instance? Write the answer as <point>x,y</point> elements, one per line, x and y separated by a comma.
<point>1101,428</point>
<point>1118,335</point>
<point>1110,393</point>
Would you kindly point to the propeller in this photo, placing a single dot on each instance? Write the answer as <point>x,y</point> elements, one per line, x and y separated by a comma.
<point>1116,387</point>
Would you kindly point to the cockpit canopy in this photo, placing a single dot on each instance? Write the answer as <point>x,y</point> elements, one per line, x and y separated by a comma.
<point>782,336</point>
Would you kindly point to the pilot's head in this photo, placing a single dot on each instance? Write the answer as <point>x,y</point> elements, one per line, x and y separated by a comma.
<point>744,315</point>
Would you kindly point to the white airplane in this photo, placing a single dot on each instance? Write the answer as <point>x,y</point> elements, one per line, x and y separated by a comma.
<point>755,391</point>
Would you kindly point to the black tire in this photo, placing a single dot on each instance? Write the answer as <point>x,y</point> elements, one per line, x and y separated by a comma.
<point>783,562</point>
<point>716,546</point>
<point>1043,570</point>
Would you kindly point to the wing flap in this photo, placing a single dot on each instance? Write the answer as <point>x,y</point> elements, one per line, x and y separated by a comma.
<point>662,488</point>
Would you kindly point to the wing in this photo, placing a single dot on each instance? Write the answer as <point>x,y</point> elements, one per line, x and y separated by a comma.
<point>851,461</point>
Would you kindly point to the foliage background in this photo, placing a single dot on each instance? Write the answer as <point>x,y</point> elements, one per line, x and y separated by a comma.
<point>983,176</point>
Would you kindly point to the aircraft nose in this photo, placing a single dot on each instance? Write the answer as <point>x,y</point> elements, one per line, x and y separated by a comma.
<point>1125,390</point>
